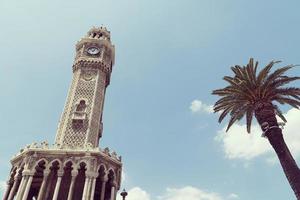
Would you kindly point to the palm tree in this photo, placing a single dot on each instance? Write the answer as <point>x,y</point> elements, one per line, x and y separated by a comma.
<point>250,93</point>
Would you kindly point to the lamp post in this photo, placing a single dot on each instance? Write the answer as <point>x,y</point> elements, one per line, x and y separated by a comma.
<point>124,194</point>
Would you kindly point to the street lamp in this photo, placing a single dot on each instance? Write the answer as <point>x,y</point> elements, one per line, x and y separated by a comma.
<point>124,194</point>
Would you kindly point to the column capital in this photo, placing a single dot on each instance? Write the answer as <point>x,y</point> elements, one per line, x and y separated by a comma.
<point>27,172</point>
<point>46,172</point>
<point>91,174</point>
<point>9,182</point>
<point>113,184</point>
<point>60,173</point>
<point>17,177</point>
<point>74,173</point>
<point>104,178</point>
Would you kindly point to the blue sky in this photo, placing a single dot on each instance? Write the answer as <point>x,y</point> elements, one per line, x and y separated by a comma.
<point>170,55</point>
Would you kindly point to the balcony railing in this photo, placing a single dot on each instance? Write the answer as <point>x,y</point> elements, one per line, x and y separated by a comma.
<point>78,119</point>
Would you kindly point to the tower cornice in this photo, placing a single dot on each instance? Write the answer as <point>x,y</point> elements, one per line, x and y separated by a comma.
<point>91,63</point>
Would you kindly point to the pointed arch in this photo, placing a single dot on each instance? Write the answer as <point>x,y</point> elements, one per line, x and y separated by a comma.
<point>80,180</point>
<point>103,166</point>
<point>68,166</point>
<point>86,164</point>
<point>111,171</point>
<point>41,161</point>
<point>38,177</point>
<point>69,161</point>
<point>60,164</point>
<point>101,169</point>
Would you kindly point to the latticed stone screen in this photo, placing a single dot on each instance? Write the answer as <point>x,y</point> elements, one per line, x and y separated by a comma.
<point>87,85</point>
<point>93,135</point>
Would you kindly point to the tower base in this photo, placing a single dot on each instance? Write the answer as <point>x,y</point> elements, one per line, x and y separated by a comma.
<point>50,173</point>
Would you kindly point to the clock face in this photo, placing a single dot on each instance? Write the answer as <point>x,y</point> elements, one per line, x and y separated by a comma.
<point>93,50</point>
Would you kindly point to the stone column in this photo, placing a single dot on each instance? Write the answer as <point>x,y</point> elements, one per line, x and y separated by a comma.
<point>104,181</point>
<point>13,191</point>
<point>27,188</point>
<point>86,186</point>
<point>44,184</point>
<point>74,174</point>
<point>57,185</point>
<point>89,186</point>
<point>26,174</point>
<point>8,189</point>
<point>93,188</point>
<point>21,186</point>
<point>116,191</point>
<point>112,192</point>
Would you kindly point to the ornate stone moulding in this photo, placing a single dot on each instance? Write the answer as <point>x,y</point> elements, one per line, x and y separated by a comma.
<point>63,155</point>
<point>56,149</point>
<point>92,64</point>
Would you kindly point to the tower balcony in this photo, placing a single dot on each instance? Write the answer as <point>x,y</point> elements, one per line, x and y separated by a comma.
<point>79,117</point>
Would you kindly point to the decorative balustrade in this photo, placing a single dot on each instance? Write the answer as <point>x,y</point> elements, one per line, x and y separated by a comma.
<point>87,148</point>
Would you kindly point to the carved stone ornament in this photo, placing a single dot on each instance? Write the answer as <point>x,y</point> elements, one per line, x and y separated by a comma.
<point>88,75</point>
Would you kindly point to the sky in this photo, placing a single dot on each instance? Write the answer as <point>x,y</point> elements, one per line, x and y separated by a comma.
<point>158,115</point>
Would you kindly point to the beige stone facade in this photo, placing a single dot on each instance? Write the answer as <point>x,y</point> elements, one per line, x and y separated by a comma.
<point>74,168</point>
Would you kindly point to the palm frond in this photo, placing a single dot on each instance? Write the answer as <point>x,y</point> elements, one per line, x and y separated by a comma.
<point>224,106</point>
<point>223,114</point>
<point>264,72</point>
<point>279,113</point>
<point>234,117</point>
<point>286,100</point>
<point>283,81</point>
<point>249,116</point>
<point>238,73</point>
<point>277,73</point>
<point>290,91</point>
<point>247,89</point>
<point>251,71</point>
<point>226,100</point>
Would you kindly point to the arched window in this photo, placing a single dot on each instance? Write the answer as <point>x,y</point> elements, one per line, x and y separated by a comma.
<point>100,35</point>
<point>81,106</point>
<point>79,115</point>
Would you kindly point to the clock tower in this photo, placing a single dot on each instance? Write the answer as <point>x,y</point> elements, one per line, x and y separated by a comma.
<point>74,168</point>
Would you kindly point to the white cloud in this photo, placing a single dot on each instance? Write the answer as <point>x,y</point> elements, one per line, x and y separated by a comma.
<point>198,106</point>
<point>238,144</point>
<point>272,160</point>
<point>136,193</point>
<point>2,186</point>
<point>184,193</point>
<point>124,176</point>
<point>233,196</point>
<point>291,131</point>
<point>189,193</point>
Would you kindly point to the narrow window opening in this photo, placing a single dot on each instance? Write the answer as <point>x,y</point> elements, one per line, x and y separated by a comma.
<point>79,115</point>
<point>81,106</point>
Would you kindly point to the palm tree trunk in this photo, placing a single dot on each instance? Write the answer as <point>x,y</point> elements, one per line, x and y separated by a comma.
<point>286,159</point>
<point>266,117</point>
